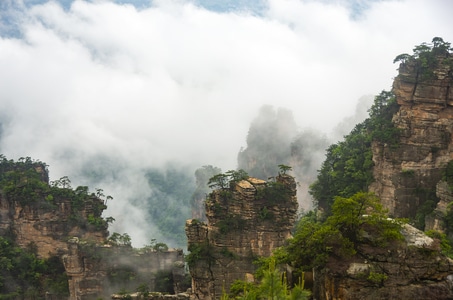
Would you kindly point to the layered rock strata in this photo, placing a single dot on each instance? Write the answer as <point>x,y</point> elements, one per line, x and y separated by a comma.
<point>406,174</point>
<point>72,229</point>
<point>47,225</point>
<point>245,221</point>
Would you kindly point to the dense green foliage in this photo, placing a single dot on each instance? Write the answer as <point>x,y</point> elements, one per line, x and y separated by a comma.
<point>22,182</point>
<point>428,57</point>
<point>23,274</point>
<point>26,182</point>
<point>200,251</point>
<point>274,193</point>
<point>120,239</point>
<point>446,245</point>
<point>230,222</point>
<point>347,168</point>
<point>354,220</point>
<point>272,285</point>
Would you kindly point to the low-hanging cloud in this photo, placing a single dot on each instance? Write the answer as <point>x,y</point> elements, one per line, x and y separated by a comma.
<point>174,82</point>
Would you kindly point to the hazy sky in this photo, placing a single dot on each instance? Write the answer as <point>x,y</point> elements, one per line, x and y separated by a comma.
<point>182,80</point>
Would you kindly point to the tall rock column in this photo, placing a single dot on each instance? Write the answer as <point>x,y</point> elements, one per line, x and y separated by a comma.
<point>406,175</point>
<point>247,220</point>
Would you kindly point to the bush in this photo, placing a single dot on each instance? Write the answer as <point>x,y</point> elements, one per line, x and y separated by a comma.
<point>341,233</point>
<point>200,251</point>
<point>274,193</point>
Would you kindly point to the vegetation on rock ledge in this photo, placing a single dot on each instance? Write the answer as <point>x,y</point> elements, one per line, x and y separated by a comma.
<point>428,57</point>
<point>359,219</point>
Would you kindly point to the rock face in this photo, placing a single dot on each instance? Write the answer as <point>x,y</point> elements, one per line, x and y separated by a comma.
<point>406,176</point>
<point>66,223</point>
<point>48,225</point>
<point>247,220</point>
<point>96,271</point>
<point>413,269</point>
<point>435,221</point>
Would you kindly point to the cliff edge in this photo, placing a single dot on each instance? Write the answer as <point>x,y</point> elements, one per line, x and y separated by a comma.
<point>406,174</point>
<point>247,219</point>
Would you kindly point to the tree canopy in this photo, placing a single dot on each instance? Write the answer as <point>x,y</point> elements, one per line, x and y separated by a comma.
<point>340,234</point>
<point>427,57</point>
<point>347,168</point>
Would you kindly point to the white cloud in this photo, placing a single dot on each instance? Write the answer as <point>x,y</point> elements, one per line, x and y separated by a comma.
<point>175,82</point>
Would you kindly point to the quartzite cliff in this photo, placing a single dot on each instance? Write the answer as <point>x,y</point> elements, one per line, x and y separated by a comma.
<point>406,175</point>
<point>410,178</point>
<point>66,225</point>
<point>246,220</point>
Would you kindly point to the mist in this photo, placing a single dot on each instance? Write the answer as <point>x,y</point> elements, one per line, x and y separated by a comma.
<point>107,92</point>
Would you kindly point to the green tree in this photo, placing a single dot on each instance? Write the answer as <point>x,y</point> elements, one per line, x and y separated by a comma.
<point>427,57</point>
<point>283,169</point>
<point>25,276</point>
<point>348,166</point>
<point>219,181</point>
<point>272,285</point>
<point>340,234</point>
<point>223,181</point>
<point>346,170</point>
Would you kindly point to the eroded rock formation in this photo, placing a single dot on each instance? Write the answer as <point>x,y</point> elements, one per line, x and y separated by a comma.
<point>406,174</point>
<point>247,220</point>
<point>66,224</point>
<point>413,269</point>
<point>48,224</point>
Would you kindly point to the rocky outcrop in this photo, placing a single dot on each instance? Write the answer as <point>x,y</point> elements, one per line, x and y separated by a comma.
<point>97,271</point>
<point>406,174</point>
<point>44,223</point>
<point>245,221</point>
<point>58,221</point>
<point>49,229</point>
<point>413,269</point>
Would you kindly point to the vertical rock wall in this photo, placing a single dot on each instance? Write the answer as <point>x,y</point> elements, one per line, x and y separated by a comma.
<point>406,176</point>
<point>245,221</point>
<point>47,225</point>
